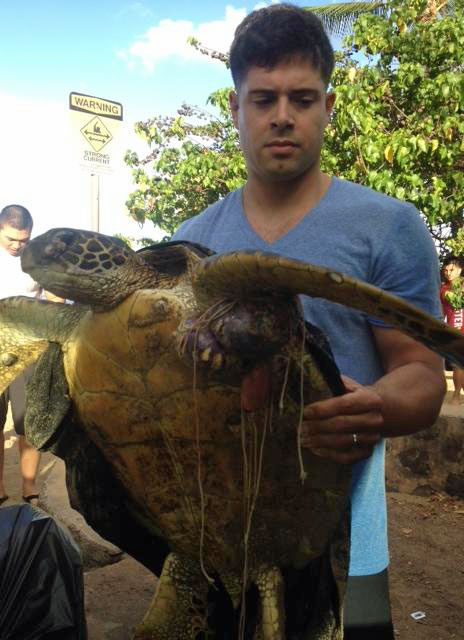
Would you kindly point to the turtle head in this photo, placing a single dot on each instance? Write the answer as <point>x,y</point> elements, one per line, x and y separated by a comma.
<point>84,266</point>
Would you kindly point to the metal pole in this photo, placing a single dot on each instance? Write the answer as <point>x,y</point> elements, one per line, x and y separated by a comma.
<point>95,202</point>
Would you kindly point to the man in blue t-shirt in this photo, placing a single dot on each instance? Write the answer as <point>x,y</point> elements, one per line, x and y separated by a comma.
<point>281,62</point>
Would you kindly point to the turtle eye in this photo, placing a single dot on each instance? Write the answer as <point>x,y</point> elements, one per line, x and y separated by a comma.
<point>73,259</point>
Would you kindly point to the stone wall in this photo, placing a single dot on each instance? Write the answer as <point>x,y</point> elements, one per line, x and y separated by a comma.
<point>431,460</point>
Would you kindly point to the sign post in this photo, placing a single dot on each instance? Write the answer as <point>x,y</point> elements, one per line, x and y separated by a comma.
<point>95,123</point>
<point>94,202</point>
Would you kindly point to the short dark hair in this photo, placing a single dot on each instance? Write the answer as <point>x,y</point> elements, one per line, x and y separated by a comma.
<point>278,33</point>
<point>451,259</point>
<point>16,216</point>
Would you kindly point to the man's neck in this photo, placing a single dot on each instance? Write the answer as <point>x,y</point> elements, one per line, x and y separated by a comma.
<point>273,209</point>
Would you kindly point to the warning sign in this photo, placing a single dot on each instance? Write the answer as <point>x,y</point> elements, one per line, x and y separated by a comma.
<point>96,133</point>
<point>91,104</point>
<point>95,124</point>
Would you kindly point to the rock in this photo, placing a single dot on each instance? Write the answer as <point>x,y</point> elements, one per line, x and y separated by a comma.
<point>455,484</point>
<point>430,460</point>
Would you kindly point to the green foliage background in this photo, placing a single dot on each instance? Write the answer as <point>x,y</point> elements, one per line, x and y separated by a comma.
<point>455,294</point>
<point>398,127</point>
<point>194,159</point>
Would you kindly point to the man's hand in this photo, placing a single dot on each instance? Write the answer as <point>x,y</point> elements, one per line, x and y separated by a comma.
<point>345,428</point>
<point>404,400</point>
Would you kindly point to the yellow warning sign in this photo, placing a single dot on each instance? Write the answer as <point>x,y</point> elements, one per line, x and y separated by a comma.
<point>92,104</point>
<point>96,133</point>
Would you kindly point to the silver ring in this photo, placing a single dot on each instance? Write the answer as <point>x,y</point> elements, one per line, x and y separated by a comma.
<point>355,438</point>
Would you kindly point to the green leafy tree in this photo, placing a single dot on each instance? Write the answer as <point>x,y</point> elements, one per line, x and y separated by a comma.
<point>195,159</point>
<point>455,294</point>
<point>397,127</point>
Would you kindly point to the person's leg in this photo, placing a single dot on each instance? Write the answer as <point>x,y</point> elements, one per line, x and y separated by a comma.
<point>367,613</point>
<point>458,381</point>
<point>457,388</point>
<point>29,457</point>
<point>3,496</point>
<point>3,413</point>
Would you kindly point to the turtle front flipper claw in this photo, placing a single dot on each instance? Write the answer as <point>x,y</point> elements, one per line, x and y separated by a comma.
<point>178,608</point>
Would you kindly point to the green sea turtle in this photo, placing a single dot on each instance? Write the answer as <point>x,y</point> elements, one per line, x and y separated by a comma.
<point>173,389</point>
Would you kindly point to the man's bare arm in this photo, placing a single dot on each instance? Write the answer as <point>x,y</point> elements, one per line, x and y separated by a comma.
<point>413,387</point>
<point>405,400</point>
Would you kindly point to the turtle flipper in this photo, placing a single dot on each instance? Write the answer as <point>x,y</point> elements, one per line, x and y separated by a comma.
<point>173,612</point>
<point>245,274</point>
<point>271,590</point>
<point>27,325</point>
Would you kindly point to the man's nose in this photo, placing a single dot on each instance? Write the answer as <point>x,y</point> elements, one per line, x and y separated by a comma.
<point>282,116</point>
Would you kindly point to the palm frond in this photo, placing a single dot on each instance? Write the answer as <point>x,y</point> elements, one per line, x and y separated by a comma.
<point>440,8</point>
<point>339,18</point>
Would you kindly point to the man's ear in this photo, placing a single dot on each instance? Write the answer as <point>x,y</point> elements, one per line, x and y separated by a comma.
<point>329,103</point>
<point>233,105</point>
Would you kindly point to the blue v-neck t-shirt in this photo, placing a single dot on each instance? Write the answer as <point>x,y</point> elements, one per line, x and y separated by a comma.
<point>371,237</point>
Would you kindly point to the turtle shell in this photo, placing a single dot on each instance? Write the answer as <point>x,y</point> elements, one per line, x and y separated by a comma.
<point>196,467</point>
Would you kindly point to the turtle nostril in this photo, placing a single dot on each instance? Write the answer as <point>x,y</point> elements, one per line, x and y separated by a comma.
<point>59,243</point>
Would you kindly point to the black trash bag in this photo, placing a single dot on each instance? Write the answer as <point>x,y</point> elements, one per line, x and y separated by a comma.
<point>41,580</point>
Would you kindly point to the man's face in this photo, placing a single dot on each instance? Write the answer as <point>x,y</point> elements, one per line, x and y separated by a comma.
<point>281,114</point>
<point>14,240</point>
<point>452,271</point>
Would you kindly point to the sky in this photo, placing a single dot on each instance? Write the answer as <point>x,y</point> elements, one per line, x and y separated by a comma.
<point>133,53</point>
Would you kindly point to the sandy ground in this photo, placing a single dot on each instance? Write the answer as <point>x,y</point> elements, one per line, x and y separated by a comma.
<point>427,569</point>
